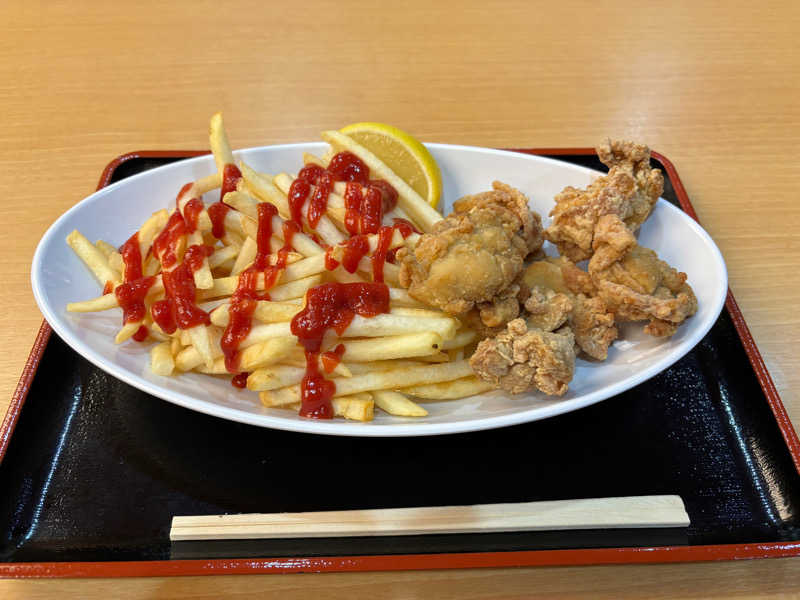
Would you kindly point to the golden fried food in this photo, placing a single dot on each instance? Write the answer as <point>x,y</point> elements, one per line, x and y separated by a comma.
<point>590,320</point>
<point>630,191</point>
<point>522,358</point>
<point>473,255</point>
<point>635,284</point>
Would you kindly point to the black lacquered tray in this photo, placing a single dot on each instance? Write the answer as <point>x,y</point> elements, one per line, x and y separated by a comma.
<point>94,470</point>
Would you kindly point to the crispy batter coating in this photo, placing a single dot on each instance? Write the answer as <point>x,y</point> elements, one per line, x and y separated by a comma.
<point>474,254</point>
<point>590,320</point>
<point>593,325</point>
<point>630,191</point>
<point>635,284</point>
<point>522,358</point>
<point>547,310</point>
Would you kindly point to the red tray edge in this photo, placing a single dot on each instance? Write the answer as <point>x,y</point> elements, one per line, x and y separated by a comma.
<point>599,556</point>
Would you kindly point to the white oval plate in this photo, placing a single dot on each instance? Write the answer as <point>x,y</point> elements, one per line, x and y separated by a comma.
<point>114,212</point>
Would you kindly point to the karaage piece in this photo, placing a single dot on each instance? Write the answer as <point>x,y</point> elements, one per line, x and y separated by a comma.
<point>635,284</point>
<point>523,358</point>
<point>590,320</point>
<point>629,190</point>
<point>593,325</point>
<point>474,254</point>
<point>547,309</point>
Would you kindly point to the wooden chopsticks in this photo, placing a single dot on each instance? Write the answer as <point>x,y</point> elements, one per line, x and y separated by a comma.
<point>590,513</point>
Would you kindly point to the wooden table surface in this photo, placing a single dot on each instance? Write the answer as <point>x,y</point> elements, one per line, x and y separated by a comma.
<point>713,86</point>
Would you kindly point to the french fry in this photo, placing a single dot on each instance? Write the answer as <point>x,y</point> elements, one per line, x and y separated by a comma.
<point>384,380</point>
<point>266,353</point>
<point>223,255</point>
<point>397,404</point>
<point>356,407</point>
<point>106,248</point>
<point>381,365</point>
<point>218,140</point>
<point>109,301</point>
<point>202,343</point>
<point>93,258</point>
<point>377,326</point>
<point>104,302</point>
<point>127,331</point>
<point>461,339</point>
<point>225,286</point>
<point>274,377</point>
<point>247,254</point>
<point>175,346</point>
<point>115,262</point>
<point>203,279</point>
<point>266,311</point>
<point>449,390</point>
<point>398,346</point>
<point>278,376</point>
<point>400,297</point>
<point>161,360</point>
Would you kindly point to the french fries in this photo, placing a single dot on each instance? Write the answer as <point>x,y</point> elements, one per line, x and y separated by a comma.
<point>238,319</point>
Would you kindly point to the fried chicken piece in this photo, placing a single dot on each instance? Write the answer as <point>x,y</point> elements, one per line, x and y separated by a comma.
<point>522,358</point>
<point>547,309</point>
<point>630,191</point>
<point>635,284</point>
<point>474,254</point>
<point>590,320</point>
<point>593,326</point>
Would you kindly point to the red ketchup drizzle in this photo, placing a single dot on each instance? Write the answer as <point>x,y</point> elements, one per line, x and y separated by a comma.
<point>109,287</point>
<point>354,250</point>
<point>245,299</point>
<point>178,309</point>
<point>352,208</point>
<point>364,210</point>
<point>166,243</point>
<point>191,212</point>
<point>240,380</point>
<point>405,227</point>
<point>132,292</point>
<point>217,212</point>
<point>385,235</point>
<point>319,201</point>
<point>330,360</point>
<point>330,262</point>
<point>130,296</point>
<point>132,258</point>
<point>196,254</point>
<point>388,193</point>
<point>230,178</point>
<point>371,210</point>
<point>298,192</point>
<point>346,166</point>
<point>330,306</point>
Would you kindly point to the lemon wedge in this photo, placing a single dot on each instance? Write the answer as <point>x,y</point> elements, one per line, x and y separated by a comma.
<point>403,154</point>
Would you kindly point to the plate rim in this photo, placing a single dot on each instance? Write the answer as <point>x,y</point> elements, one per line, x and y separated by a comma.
<point>343,428</point>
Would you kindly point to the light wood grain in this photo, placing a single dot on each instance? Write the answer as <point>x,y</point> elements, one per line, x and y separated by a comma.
<point>583,513</point>
<point>713,86</point>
